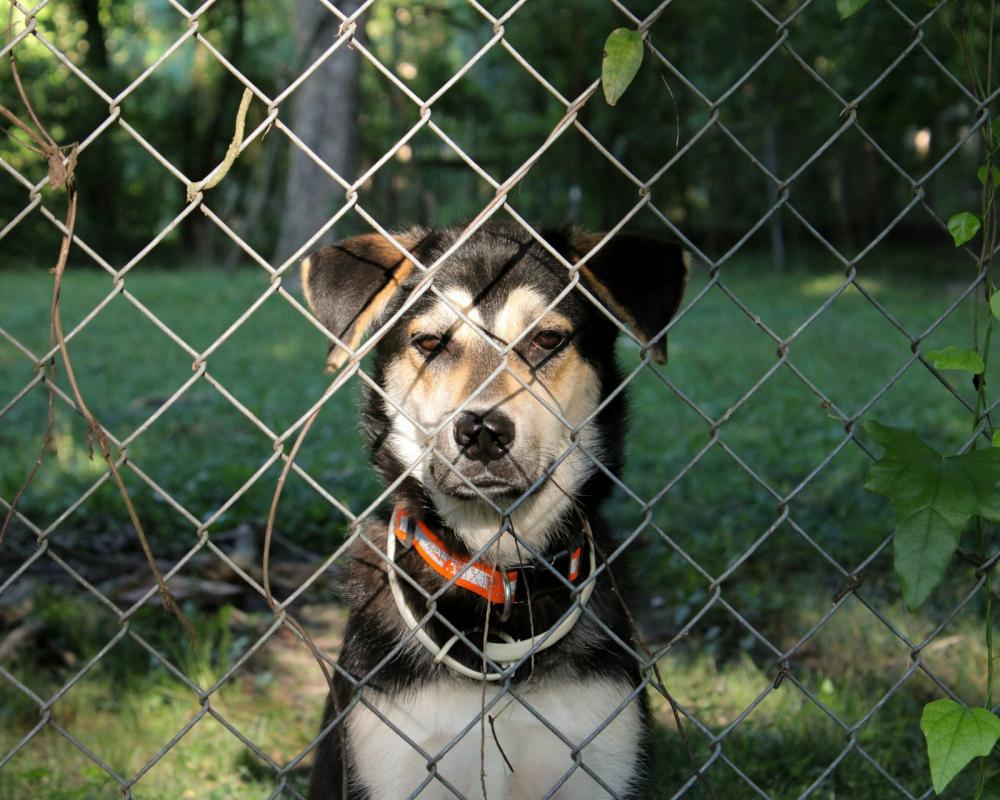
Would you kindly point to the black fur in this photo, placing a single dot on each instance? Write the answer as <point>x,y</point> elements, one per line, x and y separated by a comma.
<point>646,276</point>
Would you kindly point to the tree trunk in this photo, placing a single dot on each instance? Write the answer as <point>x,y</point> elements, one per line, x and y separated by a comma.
<point>324,116</point>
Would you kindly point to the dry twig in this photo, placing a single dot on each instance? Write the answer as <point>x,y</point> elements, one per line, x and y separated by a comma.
<point>61,174</point>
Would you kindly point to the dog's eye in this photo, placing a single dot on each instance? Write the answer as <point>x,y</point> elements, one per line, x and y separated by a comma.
<point>427,343</point>
<point>548,340</point>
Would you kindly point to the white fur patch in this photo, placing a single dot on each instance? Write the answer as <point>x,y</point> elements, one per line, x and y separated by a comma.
<point>521,310</point>
<point>407,442</point>
<point>534,520</point>
<point>433,716</point>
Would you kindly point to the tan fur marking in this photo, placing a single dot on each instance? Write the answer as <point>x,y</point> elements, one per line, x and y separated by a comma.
<point>461,300</point>
<point>576,388</point>
<point>570,386</point>
<point>386,254</point>
<point>305,270</point>
<point>378,302</point>
<point>456,383</point>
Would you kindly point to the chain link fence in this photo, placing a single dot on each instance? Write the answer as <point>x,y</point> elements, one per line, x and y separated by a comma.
<point>714,739</point>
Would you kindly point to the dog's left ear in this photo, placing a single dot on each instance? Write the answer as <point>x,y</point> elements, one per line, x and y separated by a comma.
<point>350,285</point>
<point>640,279</point>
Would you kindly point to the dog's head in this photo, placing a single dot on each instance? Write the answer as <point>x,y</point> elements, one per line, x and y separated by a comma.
<point>495,383</point>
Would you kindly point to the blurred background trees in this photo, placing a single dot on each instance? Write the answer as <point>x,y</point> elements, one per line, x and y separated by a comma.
<point>741,453</point>
<point>350,114</point>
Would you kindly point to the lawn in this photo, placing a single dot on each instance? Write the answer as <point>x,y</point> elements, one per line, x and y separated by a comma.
<point>201,453</point>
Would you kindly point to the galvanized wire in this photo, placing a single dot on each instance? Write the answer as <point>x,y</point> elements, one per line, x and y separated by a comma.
<point>910,343</point>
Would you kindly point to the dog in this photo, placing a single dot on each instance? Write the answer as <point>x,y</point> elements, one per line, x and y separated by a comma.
<point>488,649</point>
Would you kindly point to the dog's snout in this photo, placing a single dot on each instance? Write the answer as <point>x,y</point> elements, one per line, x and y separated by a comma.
<point>484,437</point>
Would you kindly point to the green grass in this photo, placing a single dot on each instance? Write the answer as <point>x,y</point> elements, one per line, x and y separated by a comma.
<point>129,706</point>
<point>201,451</point>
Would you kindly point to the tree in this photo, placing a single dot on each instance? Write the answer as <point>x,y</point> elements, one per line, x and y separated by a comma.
<point>324,117</point>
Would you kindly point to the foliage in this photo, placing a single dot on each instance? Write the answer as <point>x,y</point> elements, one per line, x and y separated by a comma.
<point>620,62</point>
<point>958,358</point>
<point>993,172</point>
<point>128,705</point>
<point>848,8</point>
<point>963,227</point>
<point>955,736</point>
<point>934,498</point>
<point>499,114</point>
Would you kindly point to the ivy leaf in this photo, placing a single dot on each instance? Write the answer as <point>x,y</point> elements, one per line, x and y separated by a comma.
<point>957,358</point>
<point>995,304</point>
<point>623,53</point>
<point>996,439</point>
<point>956,735</point>
<point>963,227</point>
<point>995,171</point>
<point>933,498</point>
<point>848,8</point>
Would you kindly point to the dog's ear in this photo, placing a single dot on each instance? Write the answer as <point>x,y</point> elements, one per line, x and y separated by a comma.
<point>640,279</point>
<point>350,284</point>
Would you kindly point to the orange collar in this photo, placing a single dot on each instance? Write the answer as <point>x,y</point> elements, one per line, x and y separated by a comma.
<point>488,582</point>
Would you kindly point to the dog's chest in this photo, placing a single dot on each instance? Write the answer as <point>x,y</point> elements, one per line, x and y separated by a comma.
<point>442,720</point>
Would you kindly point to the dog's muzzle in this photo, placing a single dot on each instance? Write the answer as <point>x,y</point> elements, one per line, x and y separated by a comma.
<point>485,463</point>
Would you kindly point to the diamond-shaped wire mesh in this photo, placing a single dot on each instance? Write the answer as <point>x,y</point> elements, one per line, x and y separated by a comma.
<point>795,402</point>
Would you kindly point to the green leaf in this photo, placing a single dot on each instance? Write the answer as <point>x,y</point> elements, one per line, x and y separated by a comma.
<point>995,304</point>
<point>996,439</point>
<point>956,735</point>
<point>963,227</point>
<point>995,171</point>
<point>848,8</point>
<point>623,53</point>
<point>933,498</point>
<point>957,358</point>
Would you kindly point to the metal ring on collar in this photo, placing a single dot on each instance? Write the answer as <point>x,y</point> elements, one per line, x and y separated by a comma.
<point>508,596</point>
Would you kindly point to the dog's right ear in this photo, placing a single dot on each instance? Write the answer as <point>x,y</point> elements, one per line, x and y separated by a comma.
<point>350,284</point>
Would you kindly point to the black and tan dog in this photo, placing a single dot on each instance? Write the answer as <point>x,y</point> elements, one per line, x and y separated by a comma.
<point>497,401</point>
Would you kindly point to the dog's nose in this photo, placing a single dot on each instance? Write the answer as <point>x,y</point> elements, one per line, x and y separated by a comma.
<point>485,436</point>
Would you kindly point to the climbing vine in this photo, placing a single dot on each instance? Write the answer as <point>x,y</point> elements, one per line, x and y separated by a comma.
<point>939,500</point>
